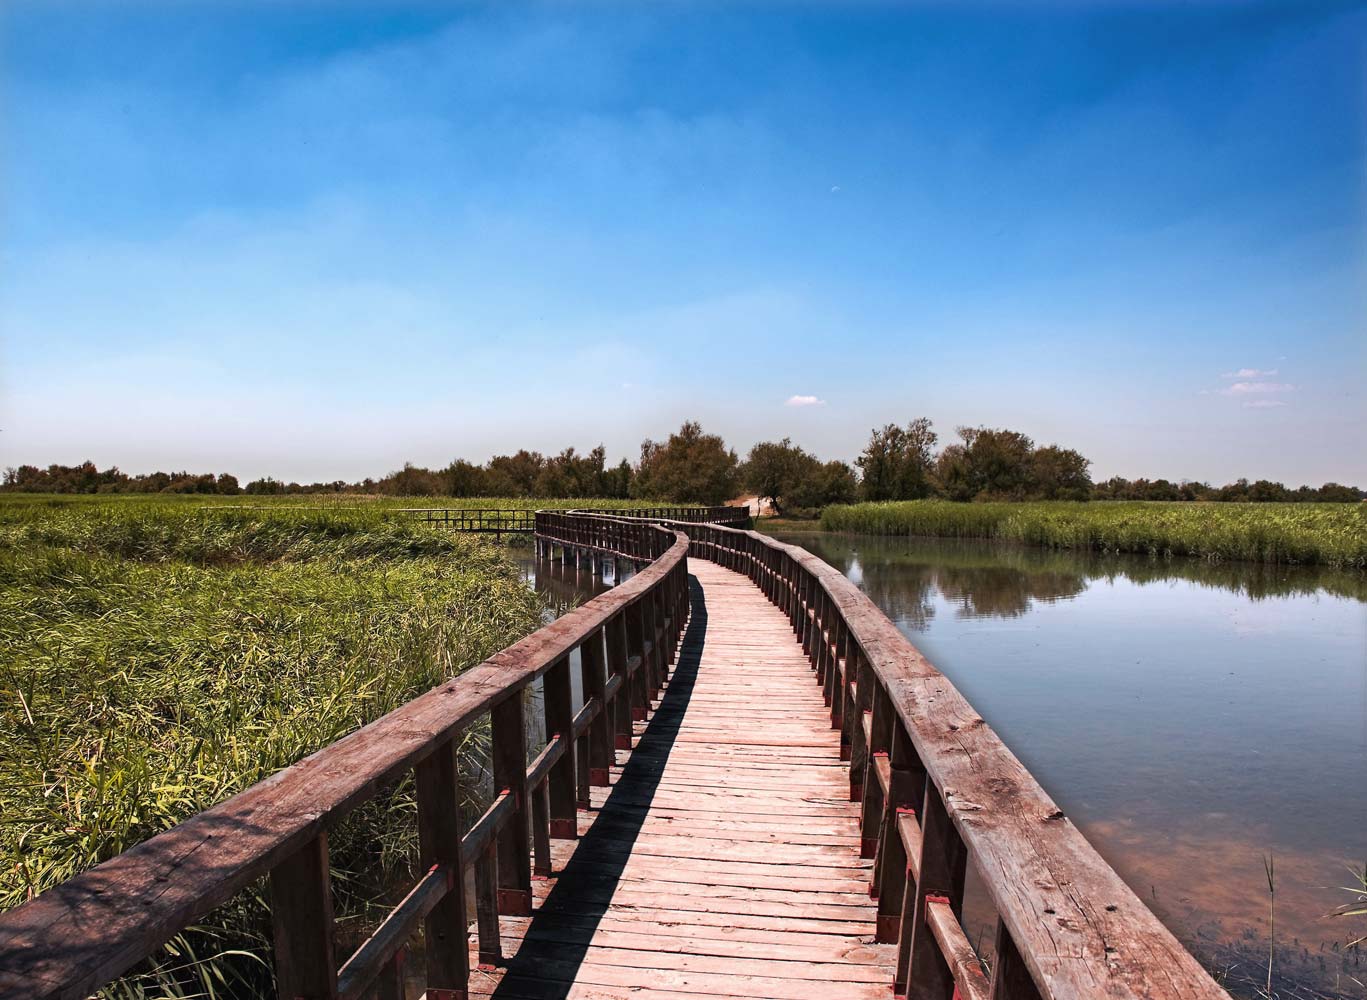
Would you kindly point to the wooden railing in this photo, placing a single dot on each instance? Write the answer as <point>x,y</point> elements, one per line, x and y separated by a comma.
<point>731,517</point>
<point>524,521</point>
<point>938,788</point>
<point>86,932</point>
<point>475,519</point>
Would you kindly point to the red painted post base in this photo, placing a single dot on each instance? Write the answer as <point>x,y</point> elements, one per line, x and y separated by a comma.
<point>856,790</point>
<point>599,777</point>
<point>846,752</point>
<point>868,847</point>
<point>623,741</point>
<point>565,829</point>
<point>638,715</point>
<point>889,926</point>
<point>515,902</point>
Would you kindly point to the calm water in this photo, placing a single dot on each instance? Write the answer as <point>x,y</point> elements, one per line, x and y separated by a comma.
<point>1191,719</point>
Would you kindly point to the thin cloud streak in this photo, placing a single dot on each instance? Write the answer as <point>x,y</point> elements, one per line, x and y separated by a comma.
<point>804,401</point>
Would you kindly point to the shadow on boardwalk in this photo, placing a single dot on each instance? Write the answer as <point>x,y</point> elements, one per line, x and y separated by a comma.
<point>558,937</point>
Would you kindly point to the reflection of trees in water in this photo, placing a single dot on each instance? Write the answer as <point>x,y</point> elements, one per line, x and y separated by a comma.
<point>986,579</point>
<point>1002,592</point>
<point>904,588</point>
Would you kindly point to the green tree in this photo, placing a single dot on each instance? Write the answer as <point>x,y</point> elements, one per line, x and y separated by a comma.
<point>1061,474</point>
<point>825,483</point>
<point>897,462</point>
<point>989,464</point>
<point>691,467</point>
<point>773,470</point>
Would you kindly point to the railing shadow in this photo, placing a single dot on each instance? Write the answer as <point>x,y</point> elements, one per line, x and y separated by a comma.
<point>558,936</point>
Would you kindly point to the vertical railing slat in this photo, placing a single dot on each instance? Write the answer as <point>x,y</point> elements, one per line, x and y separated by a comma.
<point>301,915</point>
<point>509,737</point>
<point>439,832</point>
<point>560,722</point>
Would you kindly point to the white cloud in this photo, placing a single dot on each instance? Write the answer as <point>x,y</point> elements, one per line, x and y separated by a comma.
<point>1250,373</point>
<point>1263,404</point>
<point>1256,388</point>
<point>804,401</point>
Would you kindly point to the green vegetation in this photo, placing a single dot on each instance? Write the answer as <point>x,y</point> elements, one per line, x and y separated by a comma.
<point>794,481</point>
<point>156,657</point>
<point>1326,534</point>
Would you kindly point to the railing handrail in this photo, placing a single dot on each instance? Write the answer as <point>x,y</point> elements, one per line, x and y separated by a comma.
<point>1065,915</point>
<point>87,931</point>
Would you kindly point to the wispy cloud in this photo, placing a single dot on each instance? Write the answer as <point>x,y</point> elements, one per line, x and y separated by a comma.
<point>1251,373</point>
<point>1263,404</point>
<point>804,401</point>
<point>1256,388</point>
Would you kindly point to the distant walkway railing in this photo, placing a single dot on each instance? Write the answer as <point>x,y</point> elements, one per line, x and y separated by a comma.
<point>522,521</point>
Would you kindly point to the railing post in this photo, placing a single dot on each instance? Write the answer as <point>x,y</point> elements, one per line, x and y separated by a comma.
<point>560,722</point>
<point>922,971</point>
<point>487,905</point>
<point>1010,978</point>
<point>906,791</point>
<point>651,638</point>
<point>835,674</point>
<point>592,663</point>
<point>301,914</point>
<point>439,833</point>
<point>636,636</point>
<point>871,815</point>
<point>617,663</point>
<point>509,753</point>
<point>864,683</point>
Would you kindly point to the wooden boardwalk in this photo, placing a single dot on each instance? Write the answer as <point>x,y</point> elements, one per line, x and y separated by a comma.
<point>718,856</point>
<point>724,858</point>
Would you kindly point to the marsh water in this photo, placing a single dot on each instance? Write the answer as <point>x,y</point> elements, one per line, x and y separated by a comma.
<point>1193,719</point>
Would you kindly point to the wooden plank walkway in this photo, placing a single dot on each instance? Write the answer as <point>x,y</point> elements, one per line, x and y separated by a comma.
<point>724,859</point>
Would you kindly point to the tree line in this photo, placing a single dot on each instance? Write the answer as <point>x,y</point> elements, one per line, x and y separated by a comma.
<point>691,466</point>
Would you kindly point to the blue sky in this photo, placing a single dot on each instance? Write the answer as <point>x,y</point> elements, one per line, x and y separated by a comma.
<point>318,240</point>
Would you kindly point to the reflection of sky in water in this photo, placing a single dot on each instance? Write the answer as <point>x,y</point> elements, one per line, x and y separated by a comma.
<point>1190,717</point>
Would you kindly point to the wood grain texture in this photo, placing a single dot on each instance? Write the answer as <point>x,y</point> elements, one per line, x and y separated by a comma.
<point>723,857</point>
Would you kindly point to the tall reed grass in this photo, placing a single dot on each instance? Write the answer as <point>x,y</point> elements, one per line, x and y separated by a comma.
<point>1325,534</point>
<point>156,658</point>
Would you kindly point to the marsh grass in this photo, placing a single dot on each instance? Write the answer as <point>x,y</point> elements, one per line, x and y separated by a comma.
<point>1324,534</point>
<point>156,658</point>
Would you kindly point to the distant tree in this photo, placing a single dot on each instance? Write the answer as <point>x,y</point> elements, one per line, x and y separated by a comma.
<point>463,479</point>
<point>897,462</point>
<point>1061,474</point>
<point>773,470</point>
<point>1266,491</point>
<point>410,481</point>
<point>515,475</point>
<point>617,481</point>
<point>227,484</point>
<point>1334,493</point>
<point>265,486</point>
<point>825,483</point>
<point>691,467</point>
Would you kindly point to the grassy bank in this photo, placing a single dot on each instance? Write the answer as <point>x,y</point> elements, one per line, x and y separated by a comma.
<point>1324,534</point>
<point>156,657</point>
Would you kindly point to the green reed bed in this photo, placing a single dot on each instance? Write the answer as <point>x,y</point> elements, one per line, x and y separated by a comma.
<point>1324,534</point>
<point>155,658</point>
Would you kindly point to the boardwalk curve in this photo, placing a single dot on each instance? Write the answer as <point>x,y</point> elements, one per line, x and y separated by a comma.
<point>766,792</point>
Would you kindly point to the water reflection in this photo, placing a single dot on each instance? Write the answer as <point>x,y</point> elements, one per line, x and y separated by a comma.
<point>1191,717</point>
